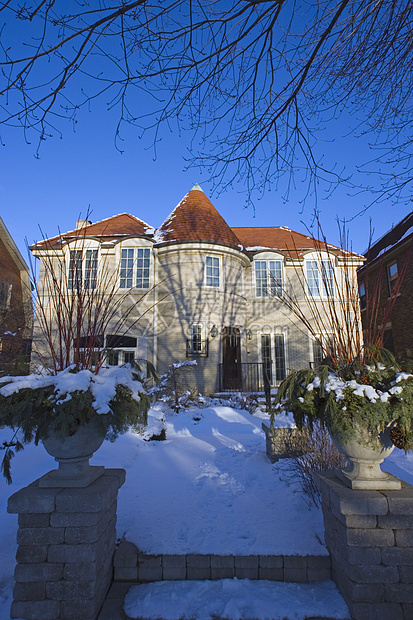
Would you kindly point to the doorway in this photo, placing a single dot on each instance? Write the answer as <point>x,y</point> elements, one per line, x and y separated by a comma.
<point>231,359</point>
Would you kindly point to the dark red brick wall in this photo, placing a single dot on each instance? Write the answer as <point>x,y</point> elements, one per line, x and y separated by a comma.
<point>11,319</point>
<point>401,317</point>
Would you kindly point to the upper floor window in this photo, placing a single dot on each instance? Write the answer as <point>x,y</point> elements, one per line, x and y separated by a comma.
<point>5,295</point>
<point>268,278</point>
<point>83,269</point>
<point>135,267</point>
<point>320,278</point>
<point>362,295</point>
<point>212,271</point>
<point>392,275</point>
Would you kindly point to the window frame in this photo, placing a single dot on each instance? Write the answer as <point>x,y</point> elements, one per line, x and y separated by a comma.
<point>324,287</point>
<point>392,278</point>
<point>271,285</point>
<point>215,264</point>
<point>5,295</point>
<point>135,271</point>
<point>83,268</point>
<point>362,296</point>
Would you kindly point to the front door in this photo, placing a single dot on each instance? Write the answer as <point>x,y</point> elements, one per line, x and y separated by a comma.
<point>231,359</point>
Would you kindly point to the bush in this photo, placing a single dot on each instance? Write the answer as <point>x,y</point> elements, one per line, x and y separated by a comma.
<point>320,454</point>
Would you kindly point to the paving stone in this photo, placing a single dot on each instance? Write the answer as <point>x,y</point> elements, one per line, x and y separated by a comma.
<point>73,553</point>
<point>406,574</point>
<point>198,572</point>
<point>80,609</point>
<point>173,573</point>
<point>397,556</point>
<point>370,538</point>
<point>80,571</point>
<point>198,560</point>
<point>70,590</point>
<point>148,573</point>
<point>38,572</point>
<point>295,561</point>
<point>40,535</point>
<point>272,574</point>
<point>35,610</point>
<point>34,520</point>
<point>174,561</point>
<point>127,573</point>
<point>377,611</point>
<point>271,561</point>
<point>29,591</point>
<point>399,592</point>
<point>31,499</point>
<point>126,555</point>
<point>222,561</point>
<point>31,554</point>
<point>295,574</point>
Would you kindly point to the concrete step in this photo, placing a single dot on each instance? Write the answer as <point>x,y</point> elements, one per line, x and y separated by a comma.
<point>131,565</point>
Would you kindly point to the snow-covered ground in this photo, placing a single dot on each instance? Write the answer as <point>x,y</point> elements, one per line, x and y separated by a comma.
<point>208,488</point>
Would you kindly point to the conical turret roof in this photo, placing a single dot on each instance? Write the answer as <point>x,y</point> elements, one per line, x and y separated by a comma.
<point>196,219</point>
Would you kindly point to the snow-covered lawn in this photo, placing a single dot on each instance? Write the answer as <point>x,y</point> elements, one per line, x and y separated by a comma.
<point>208,488</point>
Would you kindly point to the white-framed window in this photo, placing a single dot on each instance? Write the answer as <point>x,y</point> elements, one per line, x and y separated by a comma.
<point>268,278</point>
<point>212,272</point>
<point>273,356</point>
<point>83,269</point>
<point>279,356</point>
<point>135,264</point>
<point>392,275</point>
<point>197,333</point>
<point>320,278</point>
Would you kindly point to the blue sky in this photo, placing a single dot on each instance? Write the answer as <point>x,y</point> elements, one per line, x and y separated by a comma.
<point>83,170</point>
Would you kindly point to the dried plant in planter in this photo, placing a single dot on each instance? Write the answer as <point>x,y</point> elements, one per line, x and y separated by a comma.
<point>77,303</point>
<point>357,385</point>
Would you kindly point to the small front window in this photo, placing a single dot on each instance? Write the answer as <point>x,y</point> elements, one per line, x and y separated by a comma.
<point>196,337</point>
<point>212,271</point>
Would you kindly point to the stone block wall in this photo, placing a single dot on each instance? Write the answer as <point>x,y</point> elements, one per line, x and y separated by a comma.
<point>283,443</point>
<point>369,535</point>
<point>131,565</point>
<point>66,542</point>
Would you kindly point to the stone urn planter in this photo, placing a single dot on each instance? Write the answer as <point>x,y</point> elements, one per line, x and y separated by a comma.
<point>365,454</point>
<point>73,454</point>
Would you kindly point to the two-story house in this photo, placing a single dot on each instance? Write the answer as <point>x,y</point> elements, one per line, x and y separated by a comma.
<point>198,289</point>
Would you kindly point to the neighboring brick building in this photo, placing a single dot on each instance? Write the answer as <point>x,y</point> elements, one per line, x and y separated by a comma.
<point>388,276</point>
<point>207,292</point>
<point>16,311</point>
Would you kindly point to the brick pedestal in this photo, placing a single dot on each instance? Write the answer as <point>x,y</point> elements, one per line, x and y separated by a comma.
<point>66,542</point>
<point>370,538</point>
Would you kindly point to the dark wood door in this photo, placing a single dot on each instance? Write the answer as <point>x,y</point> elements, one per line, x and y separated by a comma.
<point>231,359</point>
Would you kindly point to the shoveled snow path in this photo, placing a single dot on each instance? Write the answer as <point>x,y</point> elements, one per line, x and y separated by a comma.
<point>209,488</point>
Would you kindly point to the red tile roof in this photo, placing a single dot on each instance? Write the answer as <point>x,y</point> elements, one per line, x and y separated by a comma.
<point>110,228</point>
<point>195,218</point>
<point>280,238</point>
